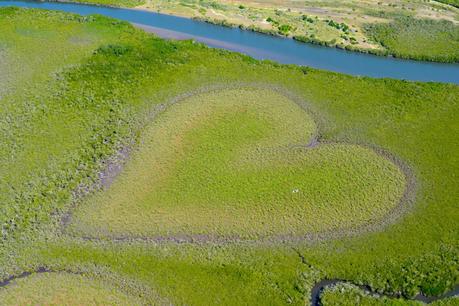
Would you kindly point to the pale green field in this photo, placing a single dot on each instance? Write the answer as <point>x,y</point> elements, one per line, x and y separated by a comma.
<point>234,163</point>
<point>62,288</point>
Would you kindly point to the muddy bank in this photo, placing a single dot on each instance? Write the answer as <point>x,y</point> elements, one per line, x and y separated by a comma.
<point>319,288</point>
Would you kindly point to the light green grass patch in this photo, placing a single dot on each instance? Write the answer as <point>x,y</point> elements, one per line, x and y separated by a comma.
<point>234,163</point>
<point>62,288</point>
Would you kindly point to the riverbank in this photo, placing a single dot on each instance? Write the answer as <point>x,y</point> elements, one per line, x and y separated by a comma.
<point>430,29</point>
<point>258,46</point>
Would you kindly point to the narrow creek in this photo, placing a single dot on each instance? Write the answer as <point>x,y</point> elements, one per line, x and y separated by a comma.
<point>319,288</point>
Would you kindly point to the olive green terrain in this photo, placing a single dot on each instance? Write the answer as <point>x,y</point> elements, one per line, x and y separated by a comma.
<point>236,163</point>
<point>77,91</point>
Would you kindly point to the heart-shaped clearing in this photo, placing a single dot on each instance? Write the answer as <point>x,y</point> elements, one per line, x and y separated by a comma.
<point>234,163</point>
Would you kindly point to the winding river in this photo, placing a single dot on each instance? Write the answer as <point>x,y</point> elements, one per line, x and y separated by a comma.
<point>261,46</point>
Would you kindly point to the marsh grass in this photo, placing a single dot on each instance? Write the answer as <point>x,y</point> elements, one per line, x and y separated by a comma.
<point>38,128</point>
<point>421,39</point>
<point>61,288</point>
<point>344,294</point>
<point>97,101</point>
<point>219,165</point>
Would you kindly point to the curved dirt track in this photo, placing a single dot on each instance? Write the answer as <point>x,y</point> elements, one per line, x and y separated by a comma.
<point>319,287</point>
<point>405,203</point>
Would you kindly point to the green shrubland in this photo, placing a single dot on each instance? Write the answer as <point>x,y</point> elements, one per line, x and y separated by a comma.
<point>420,39</point>
<point>89,86</point>
<point>450,2</point>
<point>343,294</point>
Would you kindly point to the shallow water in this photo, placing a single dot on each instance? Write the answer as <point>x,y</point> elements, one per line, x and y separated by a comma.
<point>262,46</point>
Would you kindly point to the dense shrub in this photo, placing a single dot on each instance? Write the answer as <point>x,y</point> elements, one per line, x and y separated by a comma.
<point>284,29</point>
<point>450,2</point>
<point>421,39</point>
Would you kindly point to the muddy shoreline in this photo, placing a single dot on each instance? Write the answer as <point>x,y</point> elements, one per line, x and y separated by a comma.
<point>319,288</point>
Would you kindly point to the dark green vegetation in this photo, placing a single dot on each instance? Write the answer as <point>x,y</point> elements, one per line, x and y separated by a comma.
<point>342,295</point>
<point>42,124</point>
<point>421,39</point>
<point>454,3</point>
<point>61,125</point>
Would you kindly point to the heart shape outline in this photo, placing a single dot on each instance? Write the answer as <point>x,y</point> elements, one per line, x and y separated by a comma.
<point>405,203</point>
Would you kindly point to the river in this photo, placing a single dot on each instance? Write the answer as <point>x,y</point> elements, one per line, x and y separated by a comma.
<point>261,46</point>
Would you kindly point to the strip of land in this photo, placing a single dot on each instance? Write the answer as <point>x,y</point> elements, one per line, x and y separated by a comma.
<point>420,30</point>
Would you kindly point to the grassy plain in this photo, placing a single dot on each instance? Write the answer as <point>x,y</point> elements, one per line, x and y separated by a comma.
<point>72,117</point>
<point>234,163</point>
<point>60,288</point>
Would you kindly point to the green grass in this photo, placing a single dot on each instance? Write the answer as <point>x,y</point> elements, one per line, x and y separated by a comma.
<point>421,39</point>
<point>193,275</point>
<point>62,288</point>
<point>63,122</point>
<point>454,3</point>
<point>220,164</point>
<point>40,132</point>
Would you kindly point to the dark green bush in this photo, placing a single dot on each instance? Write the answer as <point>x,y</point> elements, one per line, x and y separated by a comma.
<point>284,29</point>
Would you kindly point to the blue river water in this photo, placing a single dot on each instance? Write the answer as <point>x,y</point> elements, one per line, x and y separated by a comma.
<point>260,46</point>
